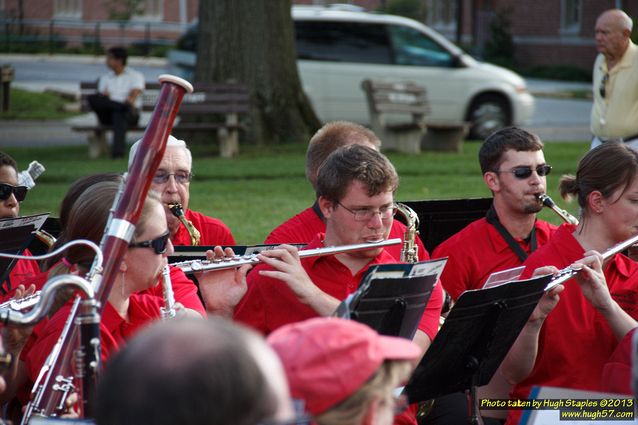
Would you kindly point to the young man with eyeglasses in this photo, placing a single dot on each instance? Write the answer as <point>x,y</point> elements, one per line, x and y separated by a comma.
<point>614,114</point>
<point>304,226</point>
<point>172,181</point>
<point>356,188</point>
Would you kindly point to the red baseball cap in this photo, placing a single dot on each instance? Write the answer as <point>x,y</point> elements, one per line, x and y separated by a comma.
<point>328,359</point>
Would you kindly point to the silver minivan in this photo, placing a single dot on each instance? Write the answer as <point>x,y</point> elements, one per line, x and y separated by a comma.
<point>337,49</point>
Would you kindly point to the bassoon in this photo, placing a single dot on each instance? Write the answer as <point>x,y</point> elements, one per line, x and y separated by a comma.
<point>56,380</point>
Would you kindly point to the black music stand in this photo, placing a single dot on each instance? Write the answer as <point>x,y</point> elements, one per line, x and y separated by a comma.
<point>476,336</point>
<point>391,298</point>
<point>15,236</point>
<point>441,218</point>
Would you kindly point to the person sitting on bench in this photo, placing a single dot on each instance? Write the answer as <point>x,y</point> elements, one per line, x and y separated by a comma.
<point>118,101</point>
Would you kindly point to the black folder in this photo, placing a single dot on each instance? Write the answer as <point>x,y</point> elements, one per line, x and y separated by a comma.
<point>476,336</point>
<point>15,236</point>
<point>441,218</point>
<point>392,297</point>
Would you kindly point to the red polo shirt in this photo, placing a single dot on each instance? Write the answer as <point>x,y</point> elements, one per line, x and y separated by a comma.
<point>303,227</point>
<point>478,251</point>
<point>270,304</point>
<point>213,231</point>
<point>575,341</point>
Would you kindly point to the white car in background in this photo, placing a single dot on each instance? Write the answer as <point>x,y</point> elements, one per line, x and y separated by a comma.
<point>338,47</point>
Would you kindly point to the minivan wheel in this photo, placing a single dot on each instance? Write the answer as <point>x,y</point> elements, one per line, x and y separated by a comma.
<point>488,114</point>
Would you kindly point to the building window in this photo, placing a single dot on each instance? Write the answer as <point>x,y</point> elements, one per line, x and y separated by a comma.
<point>441,12</point>
<point>151,9</point>
<point>570,15</point>
<point>68,8</point>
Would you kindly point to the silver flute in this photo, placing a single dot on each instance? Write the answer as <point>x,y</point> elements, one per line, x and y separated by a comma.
<point>195,266</point>
<point>168,311</point>
<point>568,272</point>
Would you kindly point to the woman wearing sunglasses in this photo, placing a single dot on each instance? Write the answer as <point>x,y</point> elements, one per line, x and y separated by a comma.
<point>127,309</point>
<point>591,315</point>
<point>10,197</point>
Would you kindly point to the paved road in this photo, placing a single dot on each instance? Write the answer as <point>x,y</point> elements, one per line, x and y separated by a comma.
<point>554,119</point>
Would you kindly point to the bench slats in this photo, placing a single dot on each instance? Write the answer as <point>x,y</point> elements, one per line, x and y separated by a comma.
<point>208,99</point>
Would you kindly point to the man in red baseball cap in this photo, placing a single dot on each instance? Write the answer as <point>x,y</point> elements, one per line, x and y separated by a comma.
<point>344,371</point>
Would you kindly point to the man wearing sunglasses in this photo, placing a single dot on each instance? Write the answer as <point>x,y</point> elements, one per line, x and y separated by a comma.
<point>614,114</point>
<point>11,195</point>
<point>514,170</point>
<point>172,182</point>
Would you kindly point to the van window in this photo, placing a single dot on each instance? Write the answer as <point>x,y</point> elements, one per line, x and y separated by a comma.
<point>342,42</point>
<point>412,47</point>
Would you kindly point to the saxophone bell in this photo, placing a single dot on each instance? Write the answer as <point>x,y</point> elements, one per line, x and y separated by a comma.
<point>178,211</point>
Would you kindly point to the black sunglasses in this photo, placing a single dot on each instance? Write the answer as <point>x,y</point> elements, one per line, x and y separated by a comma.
<point>6,190</point>
<point>603,85</point>
<point>159,244</point>
<point>525,172</point>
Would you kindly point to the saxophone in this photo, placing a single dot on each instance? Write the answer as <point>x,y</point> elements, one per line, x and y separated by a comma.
<point>178,211</point>
<point>410,250</point>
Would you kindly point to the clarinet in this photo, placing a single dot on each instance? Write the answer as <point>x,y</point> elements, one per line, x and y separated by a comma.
<point>168,311</point>
<point>49,394</point>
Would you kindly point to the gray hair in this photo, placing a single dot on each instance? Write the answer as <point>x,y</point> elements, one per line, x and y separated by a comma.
<point>171,142</point>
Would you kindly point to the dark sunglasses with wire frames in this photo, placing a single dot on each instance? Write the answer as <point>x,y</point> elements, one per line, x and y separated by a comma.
<point>6,190</point>
<point>525,172</point>
<point>159,244</point>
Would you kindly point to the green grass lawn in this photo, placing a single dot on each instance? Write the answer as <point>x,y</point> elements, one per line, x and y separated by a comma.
<point>26,105</point>
<point>254,193</point>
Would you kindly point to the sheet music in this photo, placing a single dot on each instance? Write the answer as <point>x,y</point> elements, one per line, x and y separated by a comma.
<point>397,270</point>
<point>36,220</point>
<point>503,276</point>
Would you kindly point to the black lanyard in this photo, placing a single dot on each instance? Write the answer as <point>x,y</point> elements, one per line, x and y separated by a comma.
<point>492,218</point>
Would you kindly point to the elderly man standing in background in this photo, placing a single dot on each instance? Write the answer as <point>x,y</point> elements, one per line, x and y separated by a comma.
<point>614,115</point>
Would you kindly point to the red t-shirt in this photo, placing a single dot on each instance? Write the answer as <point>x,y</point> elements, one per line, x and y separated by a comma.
<point>270,304</point>
<point>303,227</point>
<point>114,330</point>
<point>212,231</point>
<point>575,341</point>
<point>478,251</point>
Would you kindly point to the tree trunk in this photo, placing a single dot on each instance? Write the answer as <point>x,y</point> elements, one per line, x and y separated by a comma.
<point>252,42</point>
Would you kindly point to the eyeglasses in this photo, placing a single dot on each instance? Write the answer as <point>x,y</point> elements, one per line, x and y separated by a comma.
<point>181,177</point>
<point>6,190</point>
<point>365,214</point>
<point>603,85</point>
<point>159,244</point>
<point>524,172</point>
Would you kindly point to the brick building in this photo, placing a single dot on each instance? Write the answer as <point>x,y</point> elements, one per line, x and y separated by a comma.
<point>545,32</point>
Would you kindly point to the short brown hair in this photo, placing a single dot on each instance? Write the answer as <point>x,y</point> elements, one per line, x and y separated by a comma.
<point>356,162</point>
<point>332,136</point>
<point>606,168</point>
<point>509,138</point>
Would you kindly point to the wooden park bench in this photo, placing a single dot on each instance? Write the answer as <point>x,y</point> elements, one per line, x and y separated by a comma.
<point>398,113</point>
<point>211,108</point>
